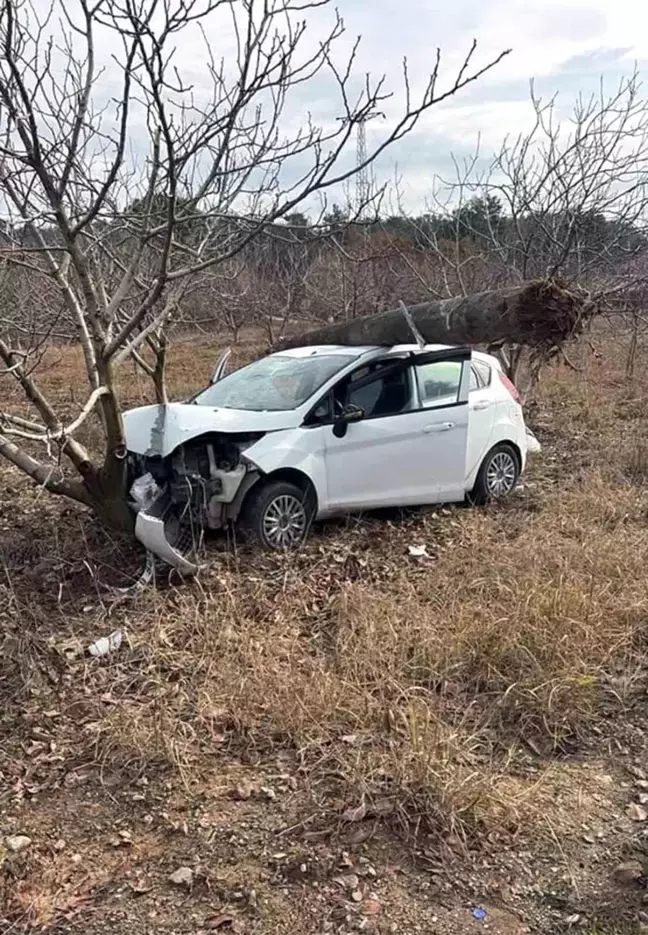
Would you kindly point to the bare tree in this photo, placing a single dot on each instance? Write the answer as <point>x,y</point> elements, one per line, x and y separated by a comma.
<point>367,272</point>
<point>567,199</point>
<point>220,299</point>
<point>576,197</point>
<point>539,314</point>
<point>121,234</point>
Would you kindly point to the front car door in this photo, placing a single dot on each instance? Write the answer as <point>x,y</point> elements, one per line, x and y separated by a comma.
<point>408,449</point>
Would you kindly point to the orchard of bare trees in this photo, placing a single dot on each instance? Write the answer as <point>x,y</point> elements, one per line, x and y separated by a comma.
<point>125,189</point>
<point>135,205</point>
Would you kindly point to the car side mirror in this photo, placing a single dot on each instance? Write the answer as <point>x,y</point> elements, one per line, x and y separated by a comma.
<point>350,413</point>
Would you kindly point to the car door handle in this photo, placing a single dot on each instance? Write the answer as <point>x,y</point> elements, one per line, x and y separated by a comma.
<point>481,404</point>
<point>438,427</point>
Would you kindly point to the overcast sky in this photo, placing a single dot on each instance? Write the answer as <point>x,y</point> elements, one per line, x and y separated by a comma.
<point>565,46</point>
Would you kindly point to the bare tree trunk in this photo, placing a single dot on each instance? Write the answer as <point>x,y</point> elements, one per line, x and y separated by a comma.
<point>632,350</point>
<point>107,497</point>
<point>541,314</point>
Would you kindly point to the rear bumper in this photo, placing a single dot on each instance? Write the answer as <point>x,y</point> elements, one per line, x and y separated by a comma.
<point>532,444</point>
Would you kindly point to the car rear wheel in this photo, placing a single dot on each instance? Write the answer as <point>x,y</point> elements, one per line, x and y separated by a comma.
<point>277,514</point>
<point>498,475</point>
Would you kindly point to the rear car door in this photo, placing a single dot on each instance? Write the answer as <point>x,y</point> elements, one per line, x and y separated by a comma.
<point>442,381</point>
<point>406,450</point>
<point>482,405</point>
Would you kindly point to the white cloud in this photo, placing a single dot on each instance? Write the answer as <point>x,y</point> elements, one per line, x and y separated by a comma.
<point>564,45</point>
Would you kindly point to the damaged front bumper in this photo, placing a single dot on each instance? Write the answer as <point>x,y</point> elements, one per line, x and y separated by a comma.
<point>151,532</point>
<point>174,508</point>
<point>185,478</point>
<point>152,505</point>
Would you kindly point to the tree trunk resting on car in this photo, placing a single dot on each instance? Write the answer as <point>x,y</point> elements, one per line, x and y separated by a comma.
<point>541,314</point>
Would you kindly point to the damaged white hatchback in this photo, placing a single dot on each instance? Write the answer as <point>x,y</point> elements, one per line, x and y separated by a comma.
<point>315,432</point>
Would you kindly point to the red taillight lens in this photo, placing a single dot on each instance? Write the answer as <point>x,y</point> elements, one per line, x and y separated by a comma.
<point>511,388</point>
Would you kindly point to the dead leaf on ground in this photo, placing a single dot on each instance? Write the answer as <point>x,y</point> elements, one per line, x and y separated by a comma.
<point>243,791</point>
<point>219,922</point>
<point>348,881</point>
<point>636,812</point>
<point>381,808</point>
<point>183,876</point>
<point>418,551</point>
<point>139,887</point>
<point>318,835</point>
<point>629,872</point>
<point>361,834</point>
<point>17,842</point>
<point>356,813</point>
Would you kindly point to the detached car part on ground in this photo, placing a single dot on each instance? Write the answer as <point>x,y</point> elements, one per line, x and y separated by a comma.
<point>315,432</point>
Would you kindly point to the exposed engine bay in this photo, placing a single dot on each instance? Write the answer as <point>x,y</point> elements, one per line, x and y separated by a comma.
<point>200,485</point>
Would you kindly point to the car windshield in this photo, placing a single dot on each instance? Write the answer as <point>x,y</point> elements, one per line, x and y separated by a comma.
<point>273,383</point>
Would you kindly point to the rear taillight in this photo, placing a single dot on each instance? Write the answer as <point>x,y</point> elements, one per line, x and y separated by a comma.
<point>511,388</point>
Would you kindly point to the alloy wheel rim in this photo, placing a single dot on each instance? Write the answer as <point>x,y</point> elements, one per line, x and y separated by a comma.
<point>284,522</point>
<point>501,474</point>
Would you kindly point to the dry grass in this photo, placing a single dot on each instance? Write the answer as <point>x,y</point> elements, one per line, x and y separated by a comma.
<point>416,687</point>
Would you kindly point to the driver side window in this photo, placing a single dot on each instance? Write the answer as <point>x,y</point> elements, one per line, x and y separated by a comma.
<point>322,414</point>
<point>381,390</point>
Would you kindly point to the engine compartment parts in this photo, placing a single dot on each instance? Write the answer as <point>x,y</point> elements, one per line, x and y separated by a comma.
<point>189,490</point>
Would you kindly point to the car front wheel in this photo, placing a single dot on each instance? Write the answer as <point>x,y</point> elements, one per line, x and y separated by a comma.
<point>498,475</point>
<point>277,514</point>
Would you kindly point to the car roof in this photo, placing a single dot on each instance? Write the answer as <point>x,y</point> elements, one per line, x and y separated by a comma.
<point>374,350</point>
<point>319,350</point>
<point>356,352</point>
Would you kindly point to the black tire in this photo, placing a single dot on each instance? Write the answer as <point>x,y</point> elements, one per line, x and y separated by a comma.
<point>273,500</point>
<point>504,461</point>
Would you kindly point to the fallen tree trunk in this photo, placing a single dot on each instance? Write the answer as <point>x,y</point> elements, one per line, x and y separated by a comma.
<point>542,314</point>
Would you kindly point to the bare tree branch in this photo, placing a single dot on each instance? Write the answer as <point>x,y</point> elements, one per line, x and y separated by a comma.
<point>117,234</point>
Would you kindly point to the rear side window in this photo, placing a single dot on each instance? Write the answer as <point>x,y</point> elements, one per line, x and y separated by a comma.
<point>439,382</point>
<point>480,374</point>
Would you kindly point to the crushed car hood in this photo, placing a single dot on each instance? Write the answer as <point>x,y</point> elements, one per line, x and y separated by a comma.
<point>158,430</point>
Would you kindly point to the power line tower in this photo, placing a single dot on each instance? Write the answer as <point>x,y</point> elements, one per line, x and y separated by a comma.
<point>364,179</point>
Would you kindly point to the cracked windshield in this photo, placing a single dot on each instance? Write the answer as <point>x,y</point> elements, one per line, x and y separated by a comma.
<point>273,383</point>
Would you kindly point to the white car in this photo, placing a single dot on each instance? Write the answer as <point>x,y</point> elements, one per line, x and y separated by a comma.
<point>315,432</point>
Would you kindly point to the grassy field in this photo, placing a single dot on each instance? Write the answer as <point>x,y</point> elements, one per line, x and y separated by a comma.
<point>349,738</point>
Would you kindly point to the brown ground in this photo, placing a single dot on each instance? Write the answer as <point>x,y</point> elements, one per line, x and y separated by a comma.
<point>350,739</point>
